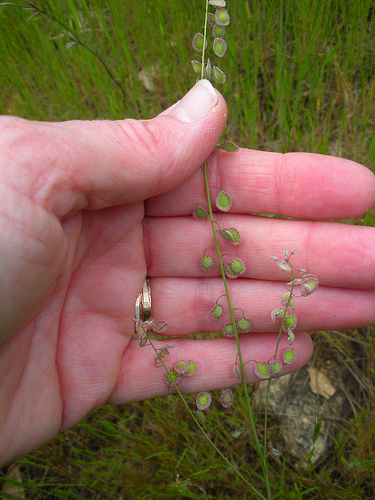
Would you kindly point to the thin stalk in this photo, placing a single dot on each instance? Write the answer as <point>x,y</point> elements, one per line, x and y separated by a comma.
<point>244,384</point>
<point>74,38</point>
<point>276,350</point>
<point>234,469</point>
<point>285,311</point>
<point>204,39</point>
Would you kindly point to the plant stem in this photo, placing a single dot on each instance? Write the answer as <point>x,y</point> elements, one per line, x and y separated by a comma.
<point>204,432</point>
<point>204,39</point>
<point>261,455</point>
<point>276,350</point>
<point>75,38</point>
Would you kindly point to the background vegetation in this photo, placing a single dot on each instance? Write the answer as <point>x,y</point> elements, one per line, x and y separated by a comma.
<point>113,59</point>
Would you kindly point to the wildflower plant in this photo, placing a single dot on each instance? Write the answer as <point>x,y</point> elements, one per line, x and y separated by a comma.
<point>232,267</point>
<point>212,42</point>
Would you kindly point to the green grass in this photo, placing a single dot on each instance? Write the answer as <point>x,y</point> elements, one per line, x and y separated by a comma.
<point>315,57</point>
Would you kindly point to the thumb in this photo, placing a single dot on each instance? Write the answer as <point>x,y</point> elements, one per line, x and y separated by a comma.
<point>96,164</point>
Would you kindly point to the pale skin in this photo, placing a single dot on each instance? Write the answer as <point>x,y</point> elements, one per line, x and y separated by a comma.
<point>90,208</point>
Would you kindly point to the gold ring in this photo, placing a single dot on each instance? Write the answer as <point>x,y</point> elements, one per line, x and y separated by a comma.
<point>143,302</point>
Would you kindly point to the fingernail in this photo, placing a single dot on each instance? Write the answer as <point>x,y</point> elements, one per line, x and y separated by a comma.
<point>196,103</point>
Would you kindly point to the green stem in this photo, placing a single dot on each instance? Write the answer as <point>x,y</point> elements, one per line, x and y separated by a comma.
<point>234,469</point>
<point>276,350</point>
<point>204,39</point>
<point>261,455</point>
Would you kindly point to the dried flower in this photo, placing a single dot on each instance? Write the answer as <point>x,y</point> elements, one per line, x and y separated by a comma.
<point>284,264</point>
<point>277,314</point>
<point>286,299</point>
<point>164,351</point>
<point>309,284</point>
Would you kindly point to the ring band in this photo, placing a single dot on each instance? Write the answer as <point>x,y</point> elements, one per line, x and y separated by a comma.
<point>143,302</point>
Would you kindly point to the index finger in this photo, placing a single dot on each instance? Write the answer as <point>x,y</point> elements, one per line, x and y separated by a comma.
<point>303,185</point>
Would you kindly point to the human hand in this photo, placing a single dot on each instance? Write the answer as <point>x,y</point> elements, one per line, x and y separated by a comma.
<point>74,230</point>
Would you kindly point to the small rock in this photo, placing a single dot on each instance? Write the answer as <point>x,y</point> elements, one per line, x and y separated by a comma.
<point>300,409</point>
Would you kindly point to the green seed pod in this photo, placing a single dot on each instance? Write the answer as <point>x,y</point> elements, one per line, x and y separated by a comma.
<point>236,371</point>
<point>275,367</point>
<point>172,378</point>
<point>244,324</point>
<point>222,17</point>
<point>197,66</point>
<point>199,42</point>
<point>238,266</point>
<point>211,19</point>
<point>256,400</point>
<point>236,433</point>
<point>200,415</point>
<point>289,356</point>
<point>290,322</point>
<point>216,311</point>
<point>228,330</point>
<point>206,261</point>
<point>220,46</point>
<point>203,400</point>
<point>181,367</point>
<point>223,201</point>
<point>231,235</point>
<point>218,31</point>
<point>261,370</point>
<point>229,146</point>
<point>192,368</point>
<point>229,273</point>
<point>208,70</point>
<point>217,3</point>
<point>219,75</point>
<point>200,213</point>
